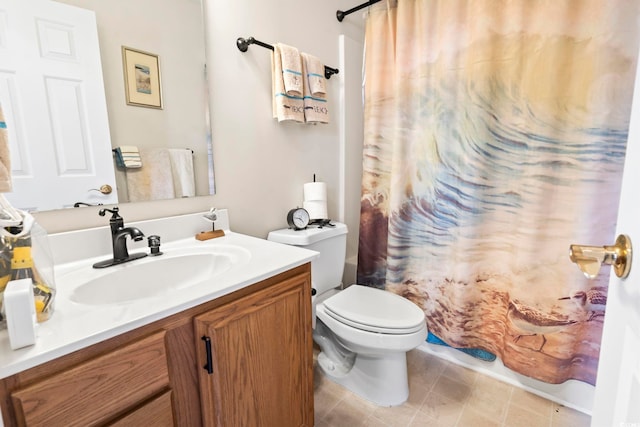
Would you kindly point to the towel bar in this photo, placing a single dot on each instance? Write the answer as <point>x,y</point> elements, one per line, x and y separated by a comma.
<point>340,14</point>
<point>243,46</point>
<point>113,150</point>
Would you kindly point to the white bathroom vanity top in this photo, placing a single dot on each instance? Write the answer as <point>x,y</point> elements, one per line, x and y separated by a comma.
<point>74,326</point>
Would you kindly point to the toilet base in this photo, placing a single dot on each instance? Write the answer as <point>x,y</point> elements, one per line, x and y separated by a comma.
<point>380,380</point>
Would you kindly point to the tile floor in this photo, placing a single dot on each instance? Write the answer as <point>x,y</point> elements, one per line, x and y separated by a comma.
<point>443,394</point>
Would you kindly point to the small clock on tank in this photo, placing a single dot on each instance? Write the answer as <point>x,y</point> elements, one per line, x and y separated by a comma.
<point>298,218</point>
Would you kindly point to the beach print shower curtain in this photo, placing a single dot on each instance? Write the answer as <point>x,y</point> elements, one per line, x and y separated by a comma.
<point>495,133</point>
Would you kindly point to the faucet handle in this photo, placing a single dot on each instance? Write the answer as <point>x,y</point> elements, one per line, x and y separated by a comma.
<point>154,245</point>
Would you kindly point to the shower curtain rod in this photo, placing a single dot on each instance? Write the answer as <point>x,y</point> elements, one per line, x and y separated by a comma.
<point>340,14</point>
<point>243,46</point>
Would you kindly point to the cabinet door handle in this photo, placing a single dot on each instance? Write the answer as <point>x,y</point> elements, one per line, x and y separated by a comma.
<point>207,346</point>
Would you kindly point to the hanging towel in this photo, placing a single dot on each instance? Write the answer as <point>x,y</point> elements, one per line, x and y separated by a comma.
<point>128,156</point>
<point>154,180</point>
<point>291,69</point>
<point>285,107</point>
<point>182,171</point>
<point>316,108</point>
<point>315,75</point>
<point>5,158</point>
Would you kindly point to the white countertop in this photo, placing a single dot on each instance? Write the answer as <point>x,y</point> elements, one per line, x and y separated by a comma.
<point>74,326</point>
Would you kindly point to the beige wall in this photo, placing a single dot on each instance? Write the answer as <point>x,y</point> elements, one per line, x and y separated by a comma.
<point>260,164</point>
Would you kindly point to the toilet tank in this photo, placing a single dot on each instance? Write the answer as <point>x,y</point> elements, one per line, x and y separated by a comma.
<point>330,242</point>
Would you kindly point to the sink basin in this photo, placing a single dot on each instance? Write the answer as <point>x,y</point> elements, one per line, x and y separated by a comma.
<point>149,277</point>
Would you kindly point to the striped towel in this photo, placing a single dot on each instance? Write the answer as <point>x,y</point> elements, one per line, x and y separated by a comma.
<point>285,106</point>
<point>316,108</point>
<point>128,157</point>
<point>291,69</point>
<point>315,75</point>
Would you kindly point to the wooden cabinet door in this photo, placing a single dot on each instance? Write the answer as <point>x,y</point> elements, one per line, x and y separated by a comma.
<point>261,358</point>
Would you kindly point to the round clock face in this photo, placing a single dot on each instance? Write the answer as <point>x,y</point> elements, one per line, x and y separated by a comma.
<point>298,218</point>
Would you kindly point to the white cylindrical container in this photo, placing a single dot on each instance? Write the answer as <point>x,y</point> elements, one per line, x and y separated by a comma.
<point>315,191</point>
<point>317,209</point>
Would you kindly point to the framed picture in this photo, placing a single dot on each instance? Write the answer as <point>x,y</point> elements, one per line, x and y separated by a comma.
<point>141,78</point>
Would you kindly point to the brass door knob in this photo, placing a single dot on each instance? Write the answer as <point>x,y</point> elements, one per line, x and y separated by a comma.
<point>104,189</point>
<point>590,258</point>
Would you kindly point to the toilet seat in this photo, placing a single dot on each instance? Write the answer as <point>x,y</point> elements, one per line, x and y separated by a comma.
<point>374,310</point>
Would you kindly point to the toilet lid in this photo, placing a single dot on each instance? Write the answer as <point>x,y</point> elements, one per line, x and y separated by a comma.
<point>375,310</point>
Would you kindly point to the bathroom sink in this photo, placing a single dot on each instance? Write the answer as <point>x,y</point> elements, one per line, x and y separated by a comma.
<point>149,277</point>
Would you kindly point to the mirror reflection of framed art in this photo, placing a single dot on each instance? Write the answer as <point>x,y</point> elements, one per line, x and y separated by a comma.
<point>142,78</point>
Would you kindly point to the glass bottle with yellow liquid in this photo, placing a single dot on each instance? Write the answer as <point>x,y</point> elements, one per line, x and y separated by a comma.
<point>23,267</point>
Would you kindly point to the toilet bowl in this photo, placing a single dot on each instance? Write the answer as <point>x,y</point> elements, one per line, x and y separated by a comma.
<point>379,328</point>
<point>364,333</point>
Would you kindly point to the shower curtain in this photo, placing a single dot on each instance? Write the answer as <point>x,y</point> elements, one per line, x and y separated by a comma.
<point>495,133</point>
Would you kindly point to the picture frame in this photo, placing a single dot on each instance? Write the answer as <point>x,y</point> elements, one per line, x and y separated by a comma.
<point>142,81</point>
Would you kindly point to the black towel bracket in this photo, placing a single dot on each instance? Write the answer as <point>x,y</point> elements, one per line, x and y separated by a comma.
<point>243,45</point>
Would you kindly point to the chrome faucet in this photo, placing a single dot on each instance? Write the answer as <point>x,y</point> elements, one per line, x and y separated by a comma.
<point>119,240</point>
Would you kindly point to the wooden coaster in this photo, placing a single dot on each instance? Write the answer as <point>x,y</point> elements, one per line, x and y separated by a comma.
<point>206,235</point>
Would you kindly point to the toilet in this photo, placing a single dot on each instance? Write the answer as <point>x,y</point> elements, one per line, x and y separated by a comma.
<point>364,333</point>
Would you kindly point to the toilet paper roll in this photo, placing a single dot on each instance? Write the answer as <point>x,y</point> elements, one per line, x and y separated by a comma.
<point>315,191</point>
<point>317,209</point>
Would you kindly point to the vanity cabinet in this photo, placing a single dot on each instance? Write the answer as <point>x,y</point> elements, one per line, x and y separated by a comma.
<point>256,369</point>
<point>260,357</point>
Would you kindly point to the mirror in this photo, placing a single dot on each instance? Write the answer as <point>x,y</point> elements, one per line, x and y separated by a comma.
<point>172,30</point>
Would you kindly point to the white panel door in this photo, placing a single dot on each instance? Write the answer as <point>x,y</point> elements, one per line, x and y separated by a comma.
<point>52,95</point>
<point>617,396</point>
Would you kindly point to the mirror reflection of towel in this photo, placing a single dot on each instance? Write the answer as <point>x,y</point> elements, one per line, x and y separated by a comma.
<point>165,174</point>
<point>182,171</point>
<point>154,180</point>
<point>128,156</point>
<point>5,158</point>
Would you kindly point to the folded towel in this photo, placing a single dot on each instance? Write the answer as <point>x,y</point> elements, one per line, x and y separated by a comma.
<point>315,74</point>
<point>128,156</point>
<point>5,158</point>
<point>315,106</point>
<point>182,170</point>
<point>154,180</point>
<point>285,106</point>
<point>291,69</point>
